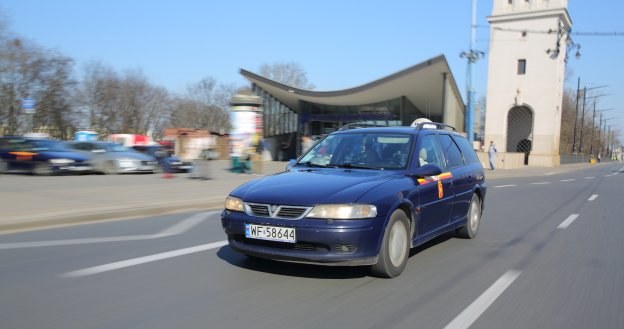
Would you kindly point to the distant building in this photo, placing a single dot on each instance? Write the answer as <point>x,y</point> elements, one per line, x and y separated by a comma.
<point>425,90</point>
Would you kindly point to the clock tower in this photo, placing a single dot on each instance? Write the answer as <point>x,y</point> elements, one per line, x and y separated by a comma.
<point>527,55</point>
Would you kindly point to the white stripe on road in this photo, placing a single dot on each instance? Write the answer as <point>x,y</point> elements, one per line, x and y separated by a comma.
<point>568,221</point>
<point>469,315</point>
<point>540,183</point>
<point>506,186</point>
<point>142,260</point>
<point>176,229</point>
<point>568,180</point>
<point>186,224</point>
<point>593,197</point>
<point>590,177</point>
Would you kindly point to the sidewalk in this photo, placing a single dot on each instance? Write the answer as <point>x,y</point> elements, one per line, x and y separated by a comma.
<point>33,202</point>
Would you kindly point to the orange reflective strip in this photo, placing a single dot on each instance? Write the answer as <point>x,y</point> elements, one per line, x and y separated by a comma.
<point>26,154</point>
<point>439,177</point>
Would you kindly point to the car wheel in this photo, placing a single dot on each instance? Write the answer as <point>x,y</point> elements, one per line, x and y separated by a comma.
<point>4,166</point>
<point>158,169</point>
<point>110,168</point>
<point>42,169</point>
<point>473,219</point>
<point>395,247</point>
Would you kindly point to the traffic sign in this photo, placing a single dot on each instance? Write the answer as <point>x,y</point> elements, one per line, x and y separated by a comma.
<point>28,105</point>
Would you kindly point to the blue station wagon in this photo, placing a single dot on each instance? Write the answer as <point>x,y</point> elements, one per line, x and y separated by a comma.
<point>361,196</point>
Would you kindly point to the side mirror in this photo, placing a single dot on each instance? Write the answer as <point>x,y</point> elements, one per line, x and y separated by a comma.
<point>290,164</point>
<point>427,170</point>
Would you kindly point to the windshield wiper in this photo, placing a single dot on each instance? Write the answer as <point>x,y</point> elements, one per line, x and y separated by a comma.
<point>312,164</point>
<point>350,165</point>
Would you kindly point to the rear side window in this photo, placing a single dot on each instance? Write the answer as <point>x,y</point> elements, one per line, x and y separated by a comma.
<point>452,150</point>
<point>468,152</point>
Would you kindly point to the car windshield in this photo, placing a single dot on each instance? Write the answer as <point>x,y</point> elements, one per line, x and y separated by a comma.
<point>360,150</point>
<point>49,145</point>
<point>112,147</point>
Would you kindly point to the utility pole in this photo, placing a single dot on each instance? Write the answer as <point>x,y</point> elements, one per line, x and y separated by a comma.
<point>578,87</point>
<point>583,114</point>
<point>472,56</point>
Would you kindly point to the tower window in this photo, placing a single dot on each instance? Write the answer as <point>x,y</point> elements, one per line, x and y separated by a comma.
<point>521,66</point>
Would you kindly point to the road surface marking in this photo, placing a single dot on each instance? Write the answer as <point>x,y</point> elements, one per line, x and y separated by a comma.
<point>471,313</point>
<point>590,177</point>
<point>505,185</point>
<point>568,221</point>
<point>142,260</point>
<point>540,183</point>
<point>568,180</point>
<point>186,224</point>
<point>593,197</point>
<point>175,229</point>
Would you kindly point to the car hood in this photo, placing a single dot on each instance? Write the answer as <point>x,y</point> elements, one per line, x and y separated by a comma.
<point>62,155</point>
<point>311,187</point>
<point>131,155</point>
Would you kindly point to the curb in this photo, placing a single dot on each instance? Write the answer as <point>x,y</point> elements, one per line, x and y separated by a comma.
<point>92,216</point>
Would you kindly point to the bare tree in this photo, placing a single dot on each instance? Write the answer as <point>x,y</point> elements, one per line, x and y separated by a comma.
<point>55,113</point>
<point>291,74</point>
<point>205,106</point>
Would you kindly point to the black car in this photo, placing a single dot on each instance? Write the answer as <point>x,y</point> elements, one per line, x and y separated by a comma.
<point>166,160</point>
<point>40,156</point>
<point>361,196</point>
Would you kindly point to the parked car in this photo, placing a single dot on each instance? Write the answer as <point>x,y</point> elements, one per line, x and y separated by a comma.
<point>40,156</point>
<point>361,196</point>
<point>166,160</point>
<point>112,158</point>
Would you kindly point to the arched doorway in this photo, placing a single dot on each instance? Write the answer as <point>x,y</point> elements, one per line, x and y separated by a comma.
<point>520,130</point>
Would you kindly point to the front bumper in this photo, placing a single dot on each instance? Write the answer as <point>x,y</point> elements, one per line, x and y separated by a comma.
<point>339,242</point>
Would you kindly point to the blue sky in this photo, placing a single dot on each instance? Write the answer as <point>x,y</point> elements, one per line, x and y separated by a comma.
<point>340,44</point>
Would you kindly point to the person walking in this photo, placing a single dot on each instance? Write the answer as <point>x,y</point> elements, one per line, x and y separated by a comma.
<point>491,154</point>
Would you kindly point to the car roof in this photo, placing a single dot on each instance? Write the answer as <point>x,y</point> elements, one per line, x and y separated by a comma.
<point>396,129</point>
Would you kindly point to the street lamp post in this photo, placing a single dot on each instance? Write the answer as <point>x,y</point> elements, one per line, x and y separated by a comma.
<point>472,56</point>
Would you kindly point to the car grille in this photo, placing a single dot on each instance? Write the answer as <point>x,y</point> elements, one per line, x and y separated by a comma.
<point>299,246</point>
<point>276,211</point>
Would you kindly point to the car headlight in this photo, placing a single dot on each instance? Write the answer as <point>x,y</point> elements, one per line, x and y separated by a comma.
<point>126,162</point>
<point>233,203</point>
<point>343,211</point>
<point>61,161</point>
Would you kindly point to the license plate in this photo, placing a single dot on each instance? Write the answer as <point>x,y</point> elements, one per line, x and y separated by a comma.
<point>271,233</point>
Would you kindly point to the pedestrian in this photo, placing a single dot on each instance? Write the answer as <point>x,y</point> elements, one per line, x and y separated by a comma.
<point>491,154</point>
<point>306,143</point>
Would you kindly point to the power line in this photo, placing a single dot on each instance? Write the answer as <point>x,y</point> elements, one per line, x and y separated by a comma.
<point>552,31</point>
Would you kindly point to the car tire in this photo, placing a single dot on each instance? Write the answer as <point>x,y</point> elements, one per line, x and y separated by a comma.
<point>395,247</point>
<point>473,219</point>
<point>4,166</point>
<point>110,168</point>
<point>42,169</point>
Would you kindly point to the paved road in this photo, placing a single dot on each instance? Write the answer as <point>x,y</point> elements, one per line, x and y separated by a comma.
<point>548,256</point>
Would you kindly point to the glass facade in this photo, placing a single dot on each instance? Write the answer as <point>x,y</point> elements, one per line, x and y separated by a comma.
<point>319,119</point>
<point>278,119</point>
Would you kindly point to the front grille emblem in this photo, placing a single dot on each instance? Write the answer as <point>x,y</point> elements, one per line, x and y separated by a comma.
<point>273,209</point>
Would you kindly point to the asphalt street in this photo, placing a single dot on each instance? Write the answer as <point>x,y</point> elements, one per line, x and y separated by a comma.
<point>548,255</point>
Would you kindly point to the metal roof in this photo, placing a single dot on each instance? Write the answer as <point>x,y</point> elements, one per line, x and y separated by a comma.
<point>423,84</point>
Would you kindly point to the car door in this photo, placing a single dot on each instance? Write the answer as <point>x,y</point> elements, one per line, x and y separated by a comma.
<point>462,180</point>
<point>435,193</point>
